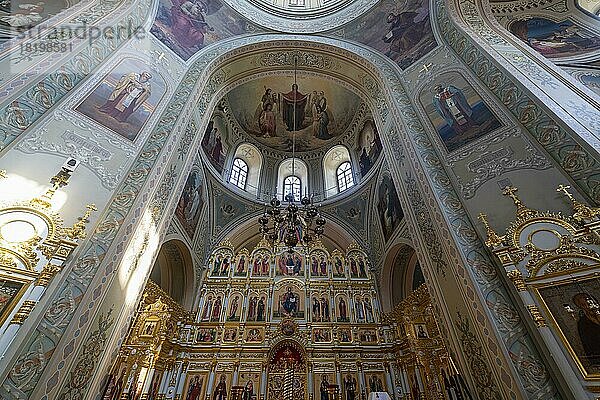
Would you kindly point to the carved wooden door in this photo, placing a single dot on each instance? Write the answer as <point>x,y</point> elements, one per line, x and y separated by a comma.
<point>286,382</point>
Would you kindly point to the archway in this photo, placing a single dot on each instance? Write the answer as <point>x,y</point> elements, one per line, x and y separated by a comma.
<point>173,272</point>
<point>443,260</point>
<point>401,274</point>
<point>287,372</point>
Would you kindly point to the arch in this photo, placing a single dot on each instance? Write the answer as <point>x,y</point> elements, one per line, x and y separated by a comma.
<point>173,272</point>
<point>397,275</point>
<point>416,187</point>
<point>335,157</point>
<point>297,351</point>
<point>250,155</point>
<point>292,167</point>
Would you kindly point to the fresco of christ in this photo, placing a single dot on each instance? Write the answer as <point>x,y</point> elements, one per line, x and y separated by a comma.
<point>293,105</point>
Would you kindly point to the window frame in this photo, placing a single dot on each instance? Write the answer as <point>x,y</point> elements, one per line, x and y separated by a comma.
<point>299,183</point>
<point>241,173</point>
<point>344,177</point>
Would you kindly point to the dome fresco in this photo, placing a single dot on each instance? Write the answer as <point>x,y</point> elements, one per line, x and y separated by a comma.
<point>323,111</point>
<point>301,8</point>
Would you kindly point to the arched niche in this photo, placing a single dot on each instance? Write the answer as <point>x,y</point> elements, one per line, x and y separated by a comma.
<point>292,167</point>
<point>335,157</point>
<point>250,154</point>
<point>401,274</point>
<point>173,272</point>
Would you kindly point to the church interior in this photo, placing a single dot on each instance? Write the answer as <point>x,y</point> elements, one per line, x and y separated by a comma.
<point>300,200</point>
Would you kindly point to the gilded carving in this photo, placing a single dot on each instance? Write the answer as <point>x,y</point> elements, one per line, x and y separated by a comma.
<point>517,279</point>
<point>24,311</point>
<point>536,315</point>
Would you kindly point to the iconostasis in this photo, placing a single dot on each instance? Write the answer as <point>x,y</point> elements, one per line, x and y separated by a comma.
<point>318,303</point>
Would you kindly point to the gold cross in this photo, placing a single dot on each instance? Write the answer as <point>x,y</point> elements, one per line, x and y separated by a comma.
<point>425,67</point>
<point>510,192</point>
<point>563,188</point>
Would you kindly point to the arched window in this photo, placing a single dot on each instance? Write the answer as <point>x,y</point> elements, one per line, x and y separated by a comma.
<point>239,173</point>
<point>337,170</point>
<point>345,179</point>
<point>292,177</point>
<point>292,188</point>
<point>246,168</point>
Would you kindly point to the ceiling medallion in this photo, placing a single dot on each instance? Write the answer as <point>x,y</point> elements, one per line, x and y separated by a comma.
<point>292,224</point>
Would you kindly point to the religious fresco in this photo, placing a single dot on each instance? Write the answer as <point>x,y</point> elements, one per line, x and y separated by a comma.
<point>400,30</point>
<point>186,26</point>
<point>357,267</point>
<point>369,147</point>
<point>350,387</point>
<point>289,302</point>
<point>254,334</point>
<point>375,382</point>
<point>319,266</point>
<point>420,331</point>
<point>555,39</point>
<point>194,387</point>
<point>261,264</point>
<point>591,81</point>
<point>342,310</point>
<point>363,310</point>
<point>338,265</point>
<point>189,206</point>
<point>456,111</point>
<point>322,380</point>
<point>573,307</point>
<point>257,307</point>
<point>230,335</point>
<point>345,335</point>
<point>213,143</point>
<point>242,261</point>
<point>222,386</point>
<point>388,207</point>
<point>126,98</point>
<point>367,336</point>
<point>250,380</point>
<point>271,109</point>
<point>235,307</point>
<point>289,264</point>
<point>206,335</point>
<point>10,291</point>
<point>320,307</point>
<point>18,16</point>
<point>212,307</point>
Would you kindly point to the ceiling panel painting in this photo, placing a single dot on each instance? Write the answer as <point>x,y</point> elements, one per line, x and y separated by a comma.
<point>270,109</point>
<point>187,26</point>
<point>400,30</point>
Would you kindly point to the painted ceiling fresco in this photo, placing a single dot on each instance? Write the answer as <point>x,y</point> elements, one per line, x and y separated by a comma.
<point>186,26</point>
<point>17,16</point>
<point>270,109</point>
<point>555,39</point>
<point>400,30</point>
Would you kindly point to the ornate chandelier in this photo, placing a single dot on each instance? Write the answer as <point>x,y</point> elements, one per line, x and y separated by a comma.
<point>291,224</point>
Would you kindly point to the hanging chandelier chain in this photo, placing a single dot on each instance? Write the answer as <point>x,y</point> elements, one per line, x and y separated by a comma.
<point>292,225</point>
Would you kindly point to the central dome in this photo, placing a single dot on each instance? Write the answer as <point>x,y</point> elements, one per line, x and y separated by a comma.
<point>319,110</point>
<point>301,9</point>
